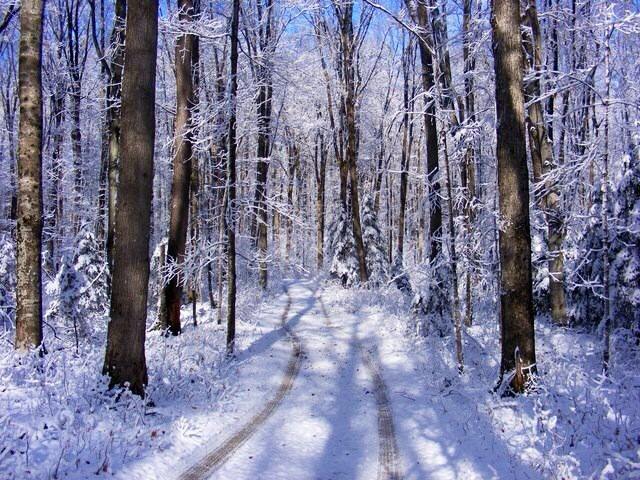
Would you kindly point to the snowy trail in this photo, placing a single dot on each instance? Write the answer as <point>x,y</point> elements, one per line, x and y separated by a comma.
<point>333,422</point>
<point>218,456</point>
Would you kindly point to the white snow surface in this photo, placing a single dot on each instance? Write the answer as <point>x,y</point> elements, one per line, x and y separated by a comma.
<point>57,421</point>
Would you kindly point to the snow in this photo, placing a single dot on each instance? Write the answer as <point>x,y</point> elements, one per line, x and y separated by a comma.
<point>58,422</point>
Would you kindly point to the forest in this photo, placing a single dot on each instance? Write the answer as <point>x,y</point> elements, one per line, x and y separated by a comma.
<point>319,239</point>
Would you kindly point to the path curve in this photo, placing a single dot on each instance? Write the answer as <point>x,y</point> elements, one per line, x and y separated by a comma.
<point>213,460</point>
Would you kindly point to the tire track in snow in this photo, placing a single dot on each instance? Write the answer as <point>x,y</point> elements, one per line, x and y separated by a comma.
<point>388,461</point>
<point>214,459</point>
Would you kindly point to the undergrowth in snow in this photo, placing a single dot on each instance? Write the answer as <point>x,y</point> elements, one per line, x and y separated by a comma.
<point>59,420</point>
<point>576,424</point>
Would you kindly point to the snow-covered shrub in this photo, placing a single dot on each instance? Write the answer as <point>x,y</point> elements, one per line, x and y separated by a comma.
<point>90,263</point>
<point>7,282</point>
<point>65,309</point>
<point>344,263</point>
<point>625,263</point>
<point>377,263</point>
<point>585,269</point>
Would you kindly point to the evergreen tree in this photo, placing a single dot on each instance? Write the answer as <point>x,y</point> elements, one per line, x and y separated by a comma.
<point>625,266</point>
<point>587,304</point>
<point>344,265</point>
<point>377,263</point>
<point>66,306</point>
<point>89,262</point>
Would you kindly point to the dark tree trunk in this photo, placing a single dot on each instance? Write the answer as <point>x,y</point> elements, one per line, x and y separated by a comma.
<point>518,341</point>
<point>29,212</point>
<point>182,166</point>
<point>264,102</point>
<point>114,94</point>
<point>431,131</point>
<point>542,159</point>
<point>231,183</point>
<point>468,172</point>
<point>125,354</point>
<point>320,173</point>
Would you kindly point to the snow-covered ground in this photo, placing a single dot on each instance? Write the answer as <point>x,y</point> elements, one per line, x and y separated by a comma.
<point>57,422</point>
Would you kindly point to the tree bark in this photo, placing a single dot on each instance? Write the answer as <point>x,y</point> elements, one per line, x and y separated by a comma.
<point>516,298</point>
<point>542,160</point>
<point>182,166</point>
<point>125,355</point>
<point>431,131</point>
<point>320,173</point>
<point>231,183</point>
<point>29,213</point>
<point>114,94</point>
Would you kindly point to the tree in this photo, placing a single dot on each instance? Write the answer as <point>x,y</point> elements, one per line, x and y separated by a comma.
<point>182,164</point>
<point>542,161</point>
<point>261,43</point>
<point>29,232</point>
<point>516,293</point>
<point>125,356</point>
<point>67,292</point>
<point>229,216</point>
<point>377,264</point>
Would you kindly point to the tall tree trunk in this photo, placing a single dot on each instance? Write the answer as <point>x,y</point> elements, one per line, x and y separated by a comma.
<point>348,73</point>
<point>431,130</point>
<point>56,200</point>
<point>29,214</point>
<point>516,297</point>
<point>320,173</point>
<point>406,150</point>
<point>182,166</point>
<point>542,160</point>
<point>264,102</point>
<point>468,176</point>
<point>125,355</point>
<point>114,94</point>
<point>231,183</point>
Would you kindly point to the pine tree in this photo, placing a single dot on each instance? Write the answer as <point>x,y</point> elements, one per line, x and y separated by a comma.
<point>587,305</point>
<point>344,265</point>
<point>89,262</point>
<point>66,307</point>
<point>625,267</point>
<point>374,244</point>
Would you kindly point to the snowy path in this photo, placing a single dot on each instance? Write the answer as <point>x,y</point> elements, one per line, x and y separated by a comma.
<point>325,424</point>
<point>329,388</point>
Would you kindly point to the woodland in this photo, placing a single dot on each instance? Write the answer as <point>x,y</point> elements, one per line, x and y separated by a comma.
<point>319,239</point>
